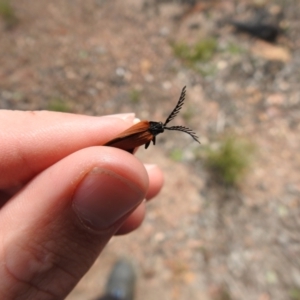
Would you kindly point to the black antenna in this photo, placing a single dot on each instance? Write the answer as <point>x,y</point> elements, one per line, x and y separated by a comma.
<point>174,114</point>
<point>177,107</point>
<point>186,130</point>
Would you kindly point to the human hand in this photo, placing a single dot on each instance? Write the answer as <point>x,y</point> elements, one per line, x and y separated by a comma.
<point>62,198</point>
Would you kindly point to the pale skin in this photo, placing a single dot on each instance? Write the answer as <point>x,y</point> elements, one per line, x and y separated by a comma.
<point>62,197</point>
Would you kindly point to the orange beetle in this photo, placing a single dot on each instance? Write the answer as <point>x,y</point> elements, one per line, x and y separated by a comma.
<point>144,132</point>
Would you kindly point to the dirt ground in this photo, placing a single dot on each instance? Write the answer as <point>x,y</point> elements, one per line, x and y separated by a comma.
<point>200,239</point>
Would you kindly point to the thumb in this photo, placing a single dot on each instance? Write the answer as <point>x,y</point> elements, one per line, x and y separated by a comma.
<point>56,226</point>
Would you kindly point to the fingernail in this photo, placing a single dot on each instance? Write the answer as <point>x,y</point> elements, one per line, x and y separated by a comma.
<point>136,120</point>
<point>150,166</point>
<point>125,116</point>
<point>103,197</point>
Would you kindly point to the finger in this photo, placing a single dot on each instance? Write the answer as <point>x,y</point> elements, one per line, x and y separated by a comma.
<point>36,140</point>
<point>156,180</point>
<point>53,229</point>
<point>155,184</point>
<point>134,220</point>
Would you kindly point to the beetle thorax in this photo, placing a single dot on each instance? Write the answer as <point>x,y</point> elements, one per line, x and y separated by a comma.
<point>156,127</point>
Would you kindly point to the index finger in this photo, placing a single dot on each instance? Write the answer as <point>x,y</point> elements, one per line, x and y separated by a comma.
<point>33,140</point>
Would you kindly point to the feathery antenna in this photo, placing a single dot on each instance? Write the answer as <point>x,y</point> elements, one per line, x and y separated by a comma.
<point>184,129</point>
<point>177,107</point>
<point>174,114</point>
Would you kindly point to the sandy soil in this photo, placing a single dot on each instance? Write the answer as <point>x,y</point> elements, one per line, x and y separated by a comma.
<point>200,239</point>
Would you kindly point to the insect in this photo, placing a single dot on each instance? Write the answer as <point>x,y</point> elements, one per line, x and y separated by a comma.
<point>144,132</point>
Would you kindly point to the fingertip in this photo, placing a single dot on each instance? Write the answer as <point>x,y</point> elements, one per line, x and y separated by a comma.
<point>134,220</point>
<point>156,180</point>
<point>129,117</point>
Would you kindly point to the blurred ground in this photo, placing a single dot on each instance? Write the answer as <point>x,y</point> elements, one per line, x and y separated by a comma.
<point>200,240</point>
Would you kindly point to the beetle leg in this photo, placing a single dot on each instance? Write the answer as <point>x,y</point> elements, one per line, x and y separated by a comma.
<point>147,145</point>
<point>153,140</point>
